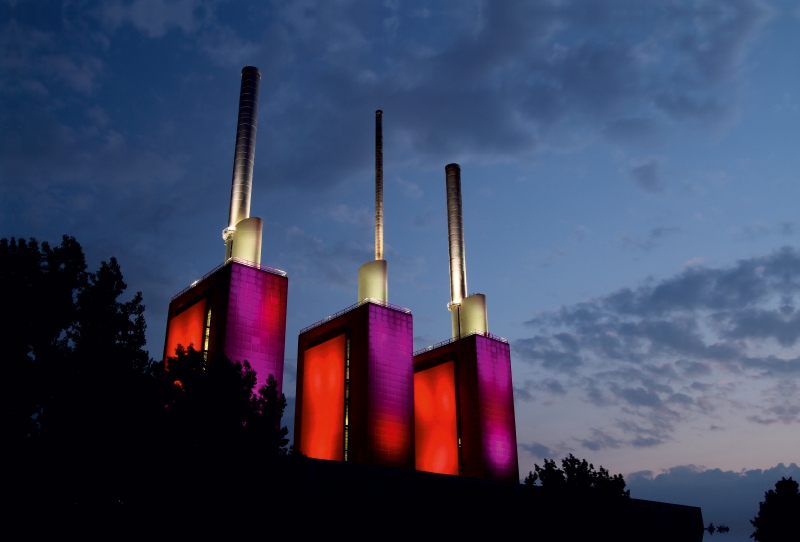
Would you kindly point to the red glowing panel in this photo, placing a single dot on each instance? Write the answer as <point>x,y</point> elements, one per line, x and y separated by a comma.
<point>187,328</point>
<point>435,430</point>
<point>322,424</point>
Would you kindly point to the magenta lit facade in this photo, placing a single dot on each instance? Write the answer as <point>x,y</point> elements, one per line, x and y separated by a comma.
<point>255,328</point>
<point>380,420</point>
<point>243,317</point>
<point>496,398</point>
<point>484,391</point>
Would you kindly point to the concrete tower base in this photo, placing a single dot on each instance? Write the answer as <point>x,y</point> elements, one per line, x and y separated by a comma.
<point>355,395</point>
<point>237,310</point>
<point>464,409</point>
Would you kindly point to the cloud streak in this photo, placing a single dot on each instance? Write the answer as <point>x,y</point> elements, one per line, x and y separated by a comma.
<point>679,349</point>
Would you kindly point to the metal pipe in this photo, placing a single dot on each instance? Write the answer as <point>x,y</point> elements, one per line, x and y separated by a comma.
<point>455,233</point>
<point>378,184</point>
<point>243,160</point>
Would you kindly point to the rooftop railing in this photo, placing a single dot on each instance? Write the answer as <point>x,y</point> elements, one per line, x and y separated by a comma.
<point>240,261</point>
<point>462,336</point>
<point>354,307</point>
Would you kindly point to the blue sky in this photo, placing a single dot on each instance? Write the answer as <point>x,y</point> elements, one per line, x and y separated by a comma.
<point>630,175</point>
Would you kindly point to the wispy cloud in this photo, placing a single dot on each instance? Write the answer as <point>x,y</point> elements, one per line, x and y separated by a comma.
<point>647,174</point>
<point>658,355</point>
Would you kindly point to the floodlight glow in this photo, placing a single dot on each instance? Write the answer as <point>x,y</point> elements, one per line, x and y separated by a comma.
<point>435,428</point>
<point>322,435</point>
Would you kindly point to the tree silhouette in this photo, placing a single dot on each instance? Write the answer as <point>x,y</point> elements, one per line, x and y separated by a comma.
<point>578,477</point>
<point>213,404</point>
<point>38,289</point>
<point>778,516</point>
<point>77,384</point>
<point>716,529</point>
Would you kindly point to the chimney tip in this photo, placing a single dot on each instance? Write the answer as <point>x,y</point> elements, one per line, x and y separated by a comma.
<point>251,69</point>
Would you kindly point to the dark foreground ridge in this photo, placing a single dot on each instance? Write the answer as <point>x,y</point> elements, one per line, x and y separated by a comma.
<point>302,497</point>
<point>436,501</point>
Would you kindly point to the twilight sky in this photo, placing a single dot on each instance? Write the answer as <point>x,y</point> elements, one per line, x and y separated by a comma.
<point>629,169</point>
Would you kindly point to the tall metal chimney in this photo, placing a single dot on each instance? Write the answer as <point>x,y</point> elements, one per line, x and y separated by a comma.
<point>378,184</point>
<point>467,313</point>
<point>373,277</point>
<point>243,160</point>
<point>455,235</point>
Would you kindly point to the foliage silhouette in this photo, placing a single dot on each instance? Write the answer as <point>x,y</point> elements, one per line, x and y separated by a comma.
<point>213,403</point>
<point>86,415</point>
<point>778,516</point>
<point>717,529</point>
<point>578,477</point>
<point>38,285</point>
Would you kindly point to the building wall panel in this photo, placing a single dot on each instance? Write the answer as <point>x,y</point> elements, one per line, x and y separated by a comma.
<point>187,328</point>
<point>255,327</point>
<point>435,429</point>
<point>498,426</point>
<point>322,422</point>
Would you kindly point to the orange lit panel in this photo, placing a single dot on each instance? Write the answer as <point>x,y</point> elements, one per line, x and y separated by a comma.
<point>436,434</point>
<point>187,328</point>
<point>322,424</point>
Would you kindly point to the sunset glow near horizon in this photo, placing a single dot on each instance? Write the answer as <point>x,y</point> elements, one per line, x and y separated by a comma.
<point>630,185</point>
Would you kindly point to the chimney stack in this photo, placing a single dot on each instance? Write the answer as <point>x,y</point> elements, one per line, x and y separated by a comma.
<point>467,313</point>
<point>243,160</point>
<point>373,282</point>
<point>378,184</point>
<point>455,235</point>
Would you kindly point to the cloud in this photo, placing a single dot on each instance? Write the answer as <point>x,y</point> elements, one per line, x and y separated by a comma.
<point>155,18</point>
<point>537,450</point>
<point>639,397</point>
<point>551,386</point>
<point>648,174</point>
<point>678,349</point>
<point>600,440</point>
<point>482,82</point>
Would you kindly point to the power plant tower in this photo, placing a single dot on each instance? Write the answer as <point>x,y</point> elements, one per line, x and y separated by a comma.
<point>238,309</point>
<point>373,277</point>
<point>467,313</point>
<point>243,235</point>
<point>355,372</point>
<point>463,395</point>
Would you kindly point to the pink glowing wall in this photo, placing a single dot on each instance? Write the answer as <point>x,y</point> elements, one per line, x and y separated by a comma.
<point>187,329</point>
<point>323,400</point>
<point>391,386</point>
<point>498,428</point>
<point>436,419</point>
<point>381,403</point>
<point>255,327</point>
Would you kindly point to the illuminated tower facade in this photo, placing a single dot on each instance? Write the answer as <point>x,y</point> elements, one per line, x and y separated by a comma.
<point>238,309</point>
<point>355,372</point>
<point>463,394</point>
